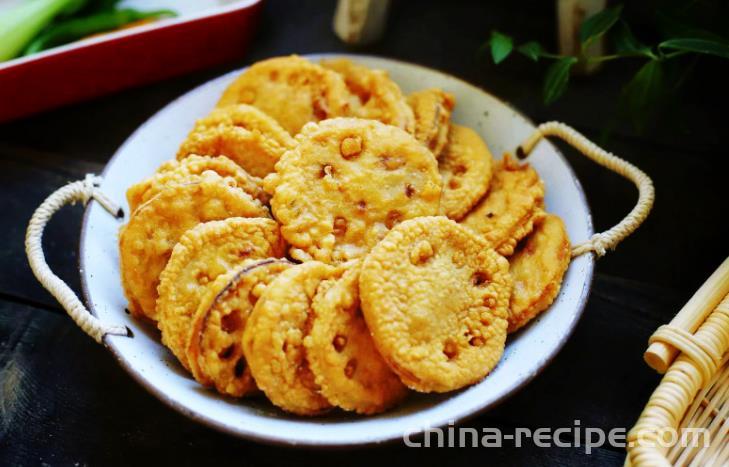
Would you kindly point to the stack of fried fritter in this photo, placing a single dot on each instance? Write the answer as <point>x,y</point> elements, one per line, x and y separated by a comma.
<point>328,241</point>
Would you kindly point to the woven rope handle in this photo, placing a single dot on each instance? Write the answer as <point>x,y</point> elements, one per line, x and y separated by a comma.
<point>602,241</point>
<point>82,190</point>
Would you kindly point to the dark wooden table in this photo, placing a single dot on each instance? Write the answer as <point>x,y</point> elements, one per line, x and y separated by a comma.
<point>65,401</point>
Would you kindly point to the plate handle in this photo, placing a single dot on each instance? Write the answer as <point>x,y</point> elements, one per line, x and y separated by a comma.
<point>609,239</point>
<point>81,190</point>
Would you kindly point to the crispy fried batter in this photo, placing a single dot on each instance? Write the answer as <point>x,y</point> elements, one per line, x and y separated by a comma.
<point>241,132</point>
<point>432,109</point>
<point>366,187</point>
<point>537,269</point>
<point>373,94</point>
<point>512,205</point>
<point>348,368</point>
<point>201,255</point>
<point>146,242</point>
<point>214,344</point>
<point>273,340</point>
<point>436,299</point>
<point>466,168</point>
<point>292,90</point>
<point>173,172</point>
<point>346,184</point>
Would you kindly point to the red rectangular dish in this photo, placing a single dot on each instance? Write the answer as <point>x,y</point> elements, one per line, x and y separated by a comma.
<point>204,33</point>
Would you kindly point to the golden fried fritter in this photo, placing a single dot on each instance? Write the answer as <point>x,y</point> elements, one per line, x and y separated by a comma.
<point>273,340</point>
<point>466,167</point>
<point>215,339</point>
<point>511,206</point>
<point>241,132</point>
<point>292,90</point>
<point>146,242</point>
<point>203,253</point>
<point>373,94</point>
<point>348,368</point>
<point>537,269</point>
<point>346,184</point>
<point>436,300</point>
<point>432,109</point>
<point>175,172</point>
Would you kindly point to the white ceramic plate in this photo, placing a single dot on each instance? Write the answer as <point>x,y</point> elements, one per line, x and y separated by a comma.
<point>147,361</point>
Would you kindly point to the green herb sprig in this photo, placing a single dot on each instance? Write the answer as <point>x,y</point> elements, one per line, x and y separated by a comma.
<point>642,92</point>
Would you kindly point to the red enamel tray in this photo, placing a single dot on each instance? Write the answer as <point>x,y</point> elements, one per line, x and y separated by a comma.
<point>205,33</point>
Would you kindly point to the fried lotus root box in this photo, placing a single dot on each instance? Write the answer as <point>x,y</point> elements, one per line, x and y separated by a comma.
<point>203,253</point>
<point>292,90</point>
<point>273,340</point>
<point>185,171</point>
<point>348,369</point>
<point>242,133</point>
<point>436,298</point>
<point>508,211</point>
<point>214,343</point>
<point>146,242</point>
<point>346,184</point>
<point>537,268</point>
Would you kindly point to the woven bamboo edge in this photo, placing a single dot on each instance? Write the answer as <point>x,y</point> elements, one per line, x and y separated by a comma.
<point>660,354</point>
<point>685,422</point>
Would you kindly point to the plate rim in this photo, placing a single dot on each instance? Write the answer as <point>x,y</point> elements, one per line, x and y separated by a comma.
<point>375,439</point>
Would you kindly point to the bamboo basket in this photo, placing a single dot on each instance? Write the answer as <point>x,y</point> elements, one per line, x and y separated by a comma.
<point>686,420</point>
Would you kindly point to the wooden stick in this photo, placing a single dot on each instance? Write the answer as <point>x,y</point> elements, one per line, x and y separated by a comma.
<point>659,355</point>
<point>360,22</point>
<point>570,16</point>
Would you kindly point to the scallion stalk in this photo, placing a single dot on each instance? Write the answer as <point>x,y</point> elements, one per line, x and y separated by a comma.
<point>21,24</point>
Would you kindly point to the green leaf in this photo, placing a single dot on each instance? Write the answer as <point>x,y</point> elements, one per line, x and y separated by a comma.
<point>76,28</point>
<point>531,49</point>
<point>21,23</point>
<point>555,82</point>
<point>73,7</point>
<point>501,46</point>
<point>627,44</point>
<point>598,24</point>
<point>697,45</point>
<point>643,92</point>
